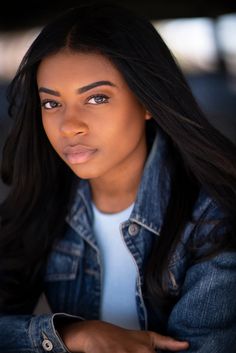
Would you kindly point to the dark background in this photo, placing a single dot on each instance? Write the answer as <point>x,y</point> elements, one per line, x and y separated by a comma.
<point>23,14</point>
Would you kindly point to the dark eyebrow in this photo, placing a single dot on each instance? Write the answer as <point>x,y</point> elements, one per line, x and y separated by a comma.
<point>79,90</point>
<point>95,84</point>
<point>49,91</point>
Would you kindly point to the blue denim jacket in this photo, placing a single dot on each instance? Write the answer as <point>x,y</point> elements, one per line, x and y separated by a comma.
<point>204,312</point>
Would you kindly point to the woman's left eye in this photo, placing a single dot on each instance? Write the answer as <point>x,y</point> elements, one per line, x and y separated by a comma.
<point>98,99</point>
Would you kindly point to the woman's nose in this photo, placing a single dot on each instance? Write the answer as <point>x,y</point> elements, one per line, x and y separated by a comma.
<point>72,124</point>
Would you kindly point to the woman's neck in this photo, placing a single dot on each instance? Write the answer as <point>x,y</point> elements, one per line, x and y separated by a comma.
<point>115,192</point>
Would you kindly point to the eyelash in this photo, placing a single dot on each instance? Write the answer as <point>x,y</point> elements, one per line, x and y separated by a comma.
<point>43,104</point>
<point>105,100</point>
<point>103,96</point>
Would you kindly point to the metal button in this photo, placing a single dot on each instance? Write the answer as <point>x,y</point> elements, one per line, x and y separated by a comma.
<point>47,345</point>
<point>133,229</point>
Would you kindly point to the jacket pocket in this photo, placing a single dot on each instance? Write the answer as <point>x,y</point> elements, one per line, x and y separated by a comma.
<point>63,261</point>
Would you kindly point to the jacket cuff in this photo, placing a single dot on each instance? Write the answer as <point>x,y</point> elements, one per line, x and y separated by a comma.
<point>43,334</point>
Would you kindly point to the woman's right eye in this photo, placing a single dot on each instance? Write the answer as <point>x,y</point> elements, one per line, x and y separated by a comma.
<point>50,104</point>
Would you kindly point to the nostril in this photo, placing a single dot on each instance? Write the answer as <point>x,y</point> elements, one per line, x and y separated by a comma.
<point>70,128</point>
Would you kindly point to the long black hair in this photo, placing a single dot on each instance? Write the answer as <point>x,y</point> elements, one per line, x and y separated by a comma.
<point>41,185</point>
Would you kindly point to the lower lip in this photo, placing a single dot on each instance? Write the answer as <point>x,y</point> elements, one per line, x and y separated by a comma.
<point>78,158</point>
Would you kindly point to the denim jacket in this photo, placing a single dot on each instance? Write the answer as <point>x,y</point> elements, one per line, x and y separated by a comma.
<point>204,293</point>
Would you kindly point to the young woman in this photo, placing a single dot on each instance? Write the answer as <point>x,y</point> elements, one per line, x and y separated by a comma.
<point>122,198</point>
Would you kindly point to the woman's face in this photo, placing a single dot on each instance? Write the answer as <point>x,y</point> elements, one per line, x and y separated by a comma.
<point>90,116</point>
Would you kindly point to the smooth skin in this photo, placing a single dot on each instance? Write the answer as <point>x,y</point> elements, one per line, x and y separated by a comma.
<point>108,118</point>
<point>102,337</point>
<point>86,101</point>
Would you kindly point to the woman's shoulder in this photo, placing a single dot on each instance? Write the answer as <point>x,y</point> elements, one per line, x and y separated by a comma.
<point>206,209</point>
<point>205,230</point>
<point>207,216</point>
<point>202,238</point>
<point>209,221</point>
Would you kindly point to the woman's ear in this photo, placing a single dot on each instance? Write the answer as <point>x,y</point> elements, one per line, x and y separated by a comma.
<point>148,115</point>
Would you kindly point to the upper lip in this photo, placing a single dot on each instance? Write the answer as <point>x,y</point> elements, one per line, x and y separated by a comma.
<point>77,149</point>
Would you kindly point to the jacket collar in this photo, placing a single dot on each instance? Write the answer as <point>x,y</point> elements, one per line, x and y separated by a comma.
<point>153,193</point>
<point>154,190</point>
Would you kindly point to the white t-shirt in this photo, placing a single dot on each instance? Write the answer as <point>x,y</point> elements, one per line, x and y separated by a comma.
<point>119,270</point>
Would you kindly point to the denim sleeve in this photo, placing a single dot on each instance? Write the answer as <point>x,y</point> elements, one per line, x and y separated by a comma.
<point>205,314</point>
<point>32,333</point>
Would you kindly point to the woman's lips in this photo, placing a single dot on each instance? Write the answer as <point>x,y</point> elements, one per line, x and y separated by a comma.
<point>78,154</point>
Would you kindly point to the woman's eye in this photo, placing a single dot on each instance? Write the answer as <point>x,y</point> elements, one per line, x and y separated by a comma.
<point>50,104</point>
<point>98,99</point>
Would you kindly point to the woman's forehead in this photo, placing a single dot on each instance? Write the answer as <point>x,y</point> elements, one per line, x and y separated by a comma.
<point>70,61</point>
<point>87,67</point>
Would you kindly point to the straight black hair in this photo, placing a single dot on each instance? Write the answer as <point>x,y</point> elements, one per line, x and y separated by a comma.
<point>41,185</point>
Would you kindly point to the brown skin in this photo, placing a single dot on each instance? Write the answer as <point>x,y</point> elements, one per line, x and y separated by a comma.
<point>116,128</point>
<point>102,337</point>
<point>109,119</point>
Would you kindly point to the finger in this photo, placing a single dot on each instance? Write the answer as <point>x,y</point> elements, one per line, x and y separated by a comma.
<point>168,343</point>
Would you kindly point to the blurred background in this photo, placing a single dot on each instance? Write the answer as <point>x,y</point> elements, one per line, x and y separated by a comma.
<point>201,34</point>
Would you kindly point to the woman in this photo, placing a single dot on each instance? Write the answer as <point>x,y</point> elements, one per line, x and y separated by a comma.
<point>122,202</point>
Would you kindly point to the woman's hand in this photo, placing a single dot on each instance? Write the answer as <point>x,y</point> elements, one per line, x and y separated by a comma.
<point>101,337</point>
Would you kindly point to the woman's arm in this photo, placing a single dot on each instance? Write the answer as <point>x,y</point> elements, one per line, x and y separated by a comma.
<point>205,314</point>
<point>32,333</point>
<point>101,337</point>
<point>39,333</point>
